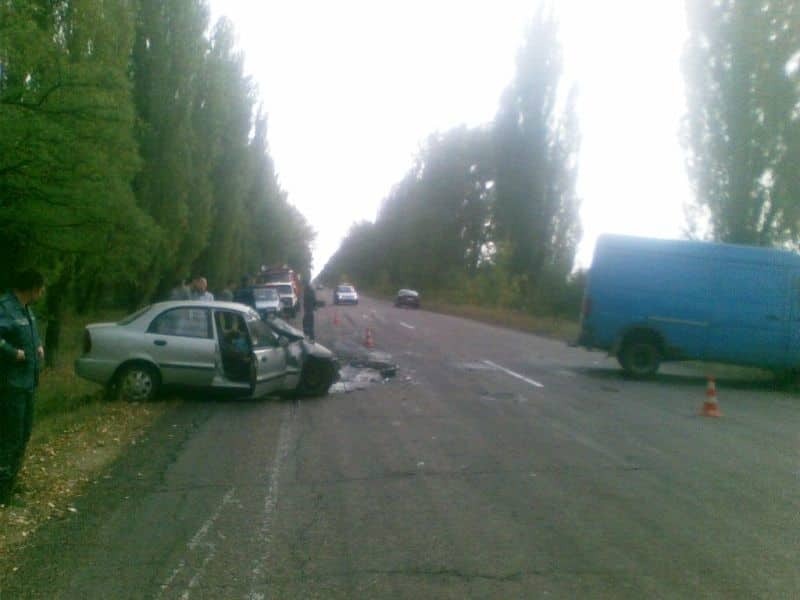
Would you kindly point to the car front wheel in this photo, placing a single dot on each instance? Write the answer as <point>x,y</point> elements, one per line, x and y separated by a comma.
<point>137,382</point>
<point>316,378</point>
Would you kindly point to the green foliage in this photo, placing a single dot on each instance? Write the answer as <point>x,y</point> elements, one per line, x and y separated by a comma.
<point>207,180</point>
<point>536,143</point>
<point>132,153</point>
<point>67,152</point>
<point>742,67</point>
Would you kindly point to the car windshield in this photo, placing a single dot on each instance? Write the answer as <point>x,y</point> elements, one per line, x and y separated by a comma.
<point>260,333</point>
<point>346,289</point>
<point>282,289</point>
<point>265,294</point>
<point>132,317</point>
<point>282,327</point>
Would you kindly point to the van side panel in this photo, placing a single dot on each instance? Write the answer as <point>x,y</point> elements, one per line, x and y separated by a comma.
<point>651,289</point>
<point>704,301</point>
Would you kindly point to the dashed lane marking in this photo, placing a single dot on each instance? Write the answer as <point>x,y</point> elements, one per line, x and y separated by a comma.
<point>532,382</point>
<point>259,564</point>
<point>198,544</point>
<point>407,326</point>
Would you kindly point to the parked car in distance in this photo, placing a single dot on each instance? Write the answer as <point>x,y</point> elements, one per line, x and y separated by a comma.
<point>408,298</point>
<point>345,294</point>
<point>267,301</point>
<point>290,303</point>
<point>208,346</point>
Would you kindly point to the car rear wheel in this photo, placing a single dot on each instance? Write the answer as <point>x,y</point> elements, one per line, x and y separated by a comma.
<point>137,382</point>
<point>640,357</point>
<point>316,378</point>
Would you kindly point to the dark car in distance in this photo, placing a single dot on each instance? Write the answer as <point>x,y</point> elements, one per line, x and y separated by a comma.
<point>408,298</point>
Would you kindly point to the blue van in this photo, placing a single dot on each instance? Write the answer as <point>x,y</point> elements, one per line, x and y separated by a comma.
<point>648,301</point>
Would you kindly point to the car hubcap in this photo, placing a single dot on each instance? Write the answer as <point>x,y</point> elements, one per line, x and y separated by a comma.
<point>137,385</point>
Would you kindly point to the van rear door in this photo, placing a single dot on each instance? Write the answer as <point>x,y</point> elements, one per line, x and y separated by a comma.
<point>752,316</point>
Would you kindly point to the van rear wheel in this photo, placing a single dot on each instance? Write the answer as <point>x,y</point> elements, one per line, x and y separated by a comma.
<point>640,357</point>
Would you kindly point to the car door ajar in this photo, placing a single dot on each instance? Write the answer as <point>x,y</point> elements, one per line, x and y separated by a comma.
<point>269,360</point>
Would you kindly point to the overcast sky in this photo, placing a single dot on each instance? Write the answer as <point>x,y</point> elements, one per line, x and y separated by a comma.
<point>353,87</point>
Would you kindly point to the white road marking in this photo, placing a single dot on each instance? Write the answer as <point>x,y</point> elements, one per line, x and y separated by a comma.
<point>407,326</point>
<point>477,366</point>
<point>271,499</point>
<point>198,541</point>
<point>513,374</point>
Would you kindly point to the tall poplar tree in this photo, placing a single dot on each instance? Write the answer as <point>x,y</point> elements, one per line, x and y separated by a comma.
<point>536,143</point>
<point>742,66</point>
<point>174,185</point>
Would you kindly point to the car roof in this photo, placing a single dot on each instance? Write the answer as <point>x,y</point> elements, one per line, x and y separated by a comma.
<point>219,304</point>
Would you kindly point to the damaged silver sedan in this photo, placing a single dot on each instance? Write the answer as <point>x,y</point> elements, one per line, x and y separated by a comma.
<point>208,346</point>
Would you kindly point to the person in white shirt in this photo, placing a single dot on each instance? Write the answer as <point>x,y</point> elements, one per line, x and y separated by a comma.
<point>200,289</point>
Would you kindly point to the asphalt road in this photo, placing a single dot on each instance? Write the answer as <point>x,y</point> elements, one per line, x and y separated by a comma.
<point>496,464</point>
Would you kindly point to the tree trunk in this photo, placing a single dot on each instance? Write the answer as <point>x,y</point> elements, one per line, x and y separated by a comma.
<point>56,294</point>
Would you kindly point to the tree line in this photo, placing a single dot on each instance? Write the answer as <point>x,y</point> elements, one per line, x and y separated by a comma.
<point>133,153</point>
<point>490,214</point>
<point>486,214</point>
<point>742,130</point>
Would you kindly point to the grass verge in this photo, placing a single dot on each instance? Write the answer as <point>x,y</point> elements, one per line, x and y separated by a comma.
<point>549,326</point>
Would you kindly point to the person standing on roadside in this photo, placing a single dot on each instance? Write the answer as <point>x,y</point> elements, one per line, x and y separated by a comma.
<point>181,291</point>
<point>244,293</point>
<point>200,289</point>
<point>309,306</point>
<point>21,357</point>
<point>226,295</point>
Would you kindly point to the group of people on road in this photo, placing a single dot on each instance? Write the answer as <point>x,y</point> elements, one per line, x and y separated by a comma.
<point>197,289</point>
<point>192,289</point>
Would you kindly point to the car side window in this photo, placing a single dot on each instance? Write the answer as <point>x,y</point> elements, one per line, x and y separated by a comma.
<point>261,335</point>
<point>183,322</point>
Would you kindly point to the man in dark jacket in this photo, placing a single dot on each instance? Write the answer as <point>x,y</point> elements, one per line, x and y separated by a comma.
<point>309,306</point>
<point>21,356</point>
<point>244,293</point>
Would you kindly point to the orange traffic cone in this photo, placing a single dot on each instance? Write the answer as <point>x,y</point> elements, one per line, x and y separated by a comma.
<point>711,406</point>
<point>368,341</point>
